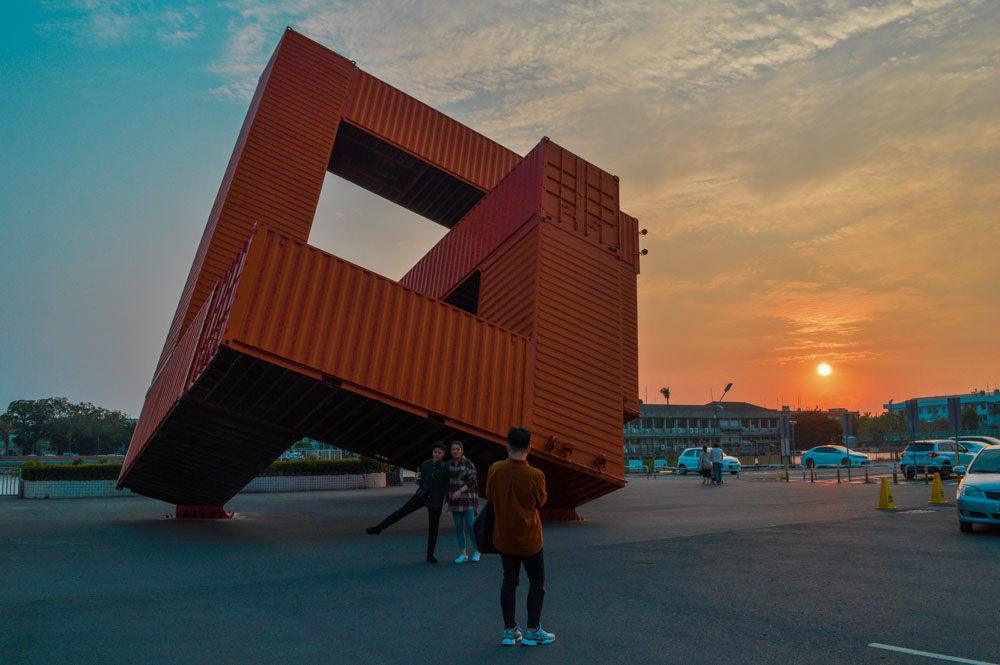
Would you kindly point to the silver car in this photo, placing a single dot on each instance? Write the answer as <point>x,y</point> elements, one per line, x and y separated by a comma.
<point>979,491</point>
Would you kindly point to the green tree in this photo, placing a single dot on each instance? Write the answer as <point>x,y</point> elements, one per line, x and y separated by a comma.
<point>887,426</point>
<point>80,428</point>
<point>815,428</point>
<point>970,418</point>
<point>32,420</point>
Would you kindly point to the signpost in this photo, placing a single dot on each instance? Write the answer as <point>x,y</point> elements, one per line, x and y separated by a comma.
<point>955,420</point>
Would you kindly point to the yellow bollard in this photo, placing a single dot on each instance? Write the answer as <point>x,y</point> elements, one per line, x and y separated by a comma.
<point>895,478</point>
<point>838,475</point>
<point>926,479</point>
<point>867,481</point>
<point>786,475</point>
<point>937,491</point>
<point>812,475</point>
<point>885,501</point>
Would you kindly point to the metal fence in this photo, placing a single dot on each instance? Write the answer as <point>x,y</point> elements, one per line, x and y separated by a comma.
<point>10,481</point>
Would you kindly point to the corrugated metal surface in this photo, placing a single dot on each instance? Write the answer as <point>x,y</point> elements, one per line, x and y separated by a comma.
<point>580,196</point>
<point>420,130</point>
<point>302,308</point>
<point>630,342</point>
<point>579,358</point>
<point>277,169</point>
<point>507,287</point>
<point>628,227</point>
<point>482,231</point>
<point>163,395</point>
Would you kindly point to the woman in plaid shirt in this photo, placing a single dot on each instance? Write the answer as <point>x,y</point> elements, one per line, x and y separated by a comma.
<point>463,499</point>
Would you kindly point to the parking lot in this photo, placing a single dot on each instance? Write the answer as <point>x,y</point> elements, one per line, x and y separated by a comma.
<point>663,571</point>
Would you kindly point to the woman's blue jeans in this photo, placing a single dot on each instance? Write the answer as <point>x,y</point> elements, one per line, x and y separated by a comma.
<point>463,523</point>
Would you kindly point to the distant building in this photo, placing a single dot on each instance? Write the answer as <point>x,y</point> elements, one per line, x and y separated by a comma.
<point>987,406</point>
<point>664,430</point>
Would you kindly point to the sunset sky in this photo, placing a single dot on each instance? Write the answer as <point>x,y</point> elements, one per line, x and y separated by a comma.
<point>820,178</point>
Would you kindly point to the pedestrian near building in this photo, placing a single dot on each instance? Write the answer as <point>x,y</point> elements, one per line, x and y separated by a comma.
<point>463,500</point>
<point>517,490</point>
<point>705,465</point>
<point>433,479</point>
<point>716,463</point>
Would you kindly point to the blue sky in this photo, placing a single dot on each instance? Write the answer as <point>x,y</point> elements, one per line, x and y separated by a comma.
<point>821,179</point>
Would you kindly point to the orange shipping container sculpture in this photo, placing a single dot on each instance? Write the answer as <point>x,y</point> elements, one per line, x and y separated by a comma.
<point>523,314</point>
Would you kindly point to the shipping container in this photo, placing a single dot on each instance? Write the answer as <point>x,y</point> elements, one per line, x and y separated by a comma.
<point>523,314</point>
<point>420,130</point>
<point>277,169</point>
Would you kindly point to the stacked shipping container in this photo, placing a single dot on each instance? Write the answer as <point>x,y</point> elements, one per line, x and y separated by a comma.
<point>274,340</point>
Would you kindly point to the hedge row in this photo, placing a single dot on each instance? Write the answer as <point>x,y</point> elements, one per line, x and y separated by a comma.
<point>309,467</point>
<point>35,471</point>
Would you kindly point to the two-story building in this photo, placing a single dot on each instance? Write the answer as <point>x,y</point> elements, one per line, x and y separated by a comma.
<point>664,430</point>
<point>986,404</point>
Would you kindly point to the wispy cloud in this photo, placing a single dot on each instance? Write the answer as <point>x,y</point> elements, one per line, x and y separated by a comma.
<point>108,23</point>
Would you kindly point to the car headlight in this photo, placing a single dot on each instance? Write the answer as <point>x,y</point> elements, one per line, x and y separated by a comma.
<point>971,490</point>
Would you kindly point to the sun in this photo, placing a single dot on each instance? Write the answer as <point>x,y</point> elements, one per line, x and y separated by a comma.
<point>824,369</point>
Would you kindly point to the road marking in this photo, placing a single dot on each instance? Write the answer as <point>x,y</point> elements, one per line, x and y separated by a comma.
<point>927,654</point>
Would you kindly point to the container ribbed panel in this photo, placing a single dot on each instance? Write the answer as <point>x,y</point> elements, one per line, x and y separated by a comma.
<point>579,357</point>
<point>302,308</point>
<point>507,288</point>
<point>413,126</point>
<point>277,169</point>
<point>482,231</point>
<point>630,342</point>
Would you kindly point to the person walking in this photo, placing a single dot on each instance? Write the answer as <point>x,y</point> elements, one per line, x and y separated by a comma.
<point>716,463</point>
<point>516,490</point>
<point>463,499</point>
<point>705,465</point>
<point>433,479</point>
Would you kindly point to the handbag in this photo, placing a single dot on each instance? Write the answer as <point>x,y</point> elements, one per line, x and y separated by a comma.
<point>482,527</point>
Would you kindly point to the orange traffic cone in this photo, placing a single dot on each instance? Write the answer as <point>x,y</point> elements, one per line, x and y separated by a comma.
<point>885,497</point>
<point>937,492</point>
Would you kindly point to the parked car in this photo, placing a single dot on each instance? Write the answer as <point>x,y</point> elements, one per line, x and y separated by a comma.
<point>979,442</point>
<point>688,460</point>
<point>833,456</point>
<point>979,491</point>
<point>933,456</point>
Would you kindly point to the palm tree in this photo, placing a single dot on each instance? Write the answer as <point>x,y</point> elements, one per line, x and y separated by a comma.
<point>666,394</point>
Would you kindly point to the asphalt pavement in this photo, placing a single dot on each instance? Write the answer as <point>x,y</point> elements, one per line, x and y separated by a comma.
<point>664,571</point>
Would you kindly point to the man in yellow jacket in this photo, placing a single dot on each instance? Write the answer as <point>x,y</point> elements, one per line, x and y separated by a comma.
<point>516,489</point>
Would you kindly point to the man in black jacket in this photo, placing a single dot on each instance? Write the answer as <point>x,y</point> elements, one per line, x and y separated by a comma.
<point>430,494</point>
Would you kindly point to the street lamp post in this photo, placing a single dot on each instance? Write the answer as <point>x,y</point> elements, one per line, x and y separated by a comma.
<point>718,407</point>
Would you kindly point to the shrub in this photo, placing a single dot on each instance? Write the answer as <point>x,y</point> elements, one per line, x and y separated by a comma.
<point>340,467</point>
<point>35,471</point>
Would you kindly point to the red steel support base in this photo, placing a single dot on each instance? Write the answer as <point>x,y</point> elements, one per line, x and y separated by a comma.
<point>203,512</point>
<point>559,515</point>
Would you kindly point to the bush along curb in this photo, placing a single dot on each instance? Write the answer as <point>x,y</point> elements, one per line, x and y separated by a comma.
<point>41,481</point>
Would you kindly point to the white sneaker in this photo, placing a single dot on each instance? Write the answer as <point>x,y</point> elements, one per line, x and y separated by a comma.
<point>511,637</point>
<point>475,556</point>
<point>461,559</point>
<point>537,637</point>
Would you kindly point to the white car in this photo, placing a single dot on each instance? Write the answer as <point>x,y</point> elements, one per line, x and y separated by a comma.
<point>688,461</point>
<point>933,456</point>
<point>979,491</point>
<point>833,456</point>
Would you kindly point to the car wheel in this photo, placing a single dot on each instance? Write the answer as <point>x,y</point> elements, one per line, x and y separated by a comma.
<point>810,463</point>
<point>733,473</point>
<point>845,462</point>
<point>965,527</point>
<point>682,470</point>
<point>946,472</point>
<point>910,472</point>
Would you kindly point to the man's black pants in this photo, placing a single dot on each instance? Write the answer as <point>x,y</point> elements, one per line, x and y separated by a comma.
<point>412,505</point>
<point>534,567</point>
